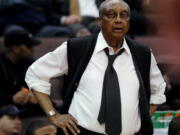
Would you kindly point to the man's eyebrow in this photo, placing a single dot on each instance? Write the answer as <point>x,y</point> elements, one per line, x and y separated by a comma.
<point>125,11</point>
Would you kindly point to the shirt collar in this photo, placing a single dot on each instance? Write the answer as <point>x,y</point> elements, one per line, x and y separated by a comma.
<point>101,44</point>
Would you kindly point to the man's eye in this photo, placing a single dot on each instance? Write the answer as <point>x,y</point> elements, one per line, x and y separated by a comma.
<point>110,15</point>
<point>124,15</point>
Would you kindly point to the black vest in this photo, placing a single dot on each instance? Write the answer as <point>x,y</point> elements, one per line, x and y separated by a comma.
<point>79,52</point>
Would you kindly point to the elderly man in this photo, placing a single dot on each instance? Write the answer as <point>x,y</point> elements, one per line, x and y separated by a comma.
<point>111,80</point>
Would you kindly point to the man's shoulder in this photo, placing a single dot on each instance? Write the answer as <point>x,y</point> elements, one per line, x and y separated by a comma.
<point>81,43</point>
<point>136,45</point>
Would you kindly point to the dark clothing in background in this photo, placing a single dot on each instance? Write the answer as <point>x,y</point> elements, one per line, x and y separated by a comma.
<point>173,96</point>
<point>138,23</point>
<point>59,8</point>
<point>24,14</point>
<point>21,13</point>
<point>11,78</point>
<point>135,5</point>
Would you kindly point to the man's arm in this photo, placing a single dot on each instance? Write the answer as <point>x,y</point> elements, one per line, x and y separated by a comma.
<point>63,121</point>
<point>157,85</point>
<point>44,101</point>
<point>38,78</point>
<point>153,108</point>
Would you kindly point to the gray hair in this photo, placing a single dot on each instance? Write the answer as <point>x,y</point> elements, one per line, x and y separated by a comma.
<point>106,2</point>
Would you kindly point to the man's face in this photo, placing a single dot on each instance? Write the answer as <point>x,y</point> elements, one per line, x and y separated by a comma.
<point>10,124</point>
<point>23,51</point>
<point>114,20</point>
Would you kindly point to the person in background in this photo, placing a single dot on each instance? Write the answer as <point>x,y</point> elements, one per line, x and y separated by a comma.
<point>140,24</point>
<point>41,127</point>
<point>174,126</point>
<point>10,123</point>
<point>14,62</point>
<point>79,15</point>
<point>30,17</point>
<point>113,84</point>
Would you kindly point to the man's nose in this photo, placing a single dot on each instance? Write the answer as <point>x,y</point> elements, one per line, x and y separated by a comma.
<point>18,121</point>
<point>118,19</point>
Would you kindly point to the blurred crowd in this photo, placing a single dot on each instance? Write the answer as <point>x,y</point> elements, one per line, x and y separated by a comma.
<point>49,18</point>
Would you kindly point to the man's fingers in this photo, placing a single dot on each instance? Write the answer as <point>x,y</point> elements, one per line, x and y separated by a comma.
<point>75,127</point>
<point>73,122</point>
<point>65,131</point>
<point>73,118</point>
<point>66,122</point>
<point>71,129</point>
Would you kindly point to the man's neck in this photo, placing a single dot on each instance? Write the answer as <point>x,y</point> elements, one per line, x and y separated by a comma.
<point>115,44</point>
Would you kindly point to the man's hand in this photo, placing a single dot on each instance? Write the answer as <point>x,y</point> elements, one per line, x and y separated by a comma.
<point>32,98</point>
<point>65,122</point>
<point>72,20</point>
<point>24,96</point>
<point>21,97</point>
<point>153,108</point>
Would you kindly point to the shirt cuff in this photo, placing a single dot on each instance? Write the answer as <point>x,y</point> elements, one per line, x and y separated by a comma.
<point>157,99</point>
<point>40,88</point>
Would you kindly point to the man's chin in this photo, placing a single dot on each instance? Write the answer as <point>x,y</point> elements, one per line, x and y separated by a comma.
<point>117,35</point>
<point>16,130</point>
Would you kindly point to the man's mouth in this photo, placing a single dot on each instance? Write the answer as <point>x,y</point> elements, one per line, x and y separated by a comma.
<point>118,29</point>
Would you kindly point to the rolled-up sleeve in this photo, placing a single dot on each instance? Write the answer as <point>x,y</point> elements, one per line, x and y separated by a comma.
<point>50,65</point>
<point>157,83</point>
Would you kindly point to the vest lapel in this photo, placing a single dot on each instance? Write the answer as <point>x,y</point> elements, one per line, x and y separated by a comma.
<point>146,125</point>
<point>82,55</point>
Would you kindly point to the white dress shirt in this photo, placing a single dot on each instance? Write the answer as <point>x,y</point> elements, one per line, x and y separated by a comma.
<point>88,8</point>
<point>87,98</point>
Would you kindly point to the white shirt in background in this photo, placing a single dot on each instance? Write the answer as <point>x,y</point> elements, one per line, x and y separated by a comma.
<point>88,8</point>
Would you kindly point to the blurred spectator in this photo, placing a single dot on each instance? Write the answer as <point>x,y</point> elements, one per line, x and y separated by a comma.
<point>78,15</point>
<point>41,127</point>
<point>174,126</point>
<point>13,64</point>
<point>10,124</point>
<point>49,18</point>
<point>22,13</point>
<point>172,94</point>
<point>139,24</point>
<point>173,97</point>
